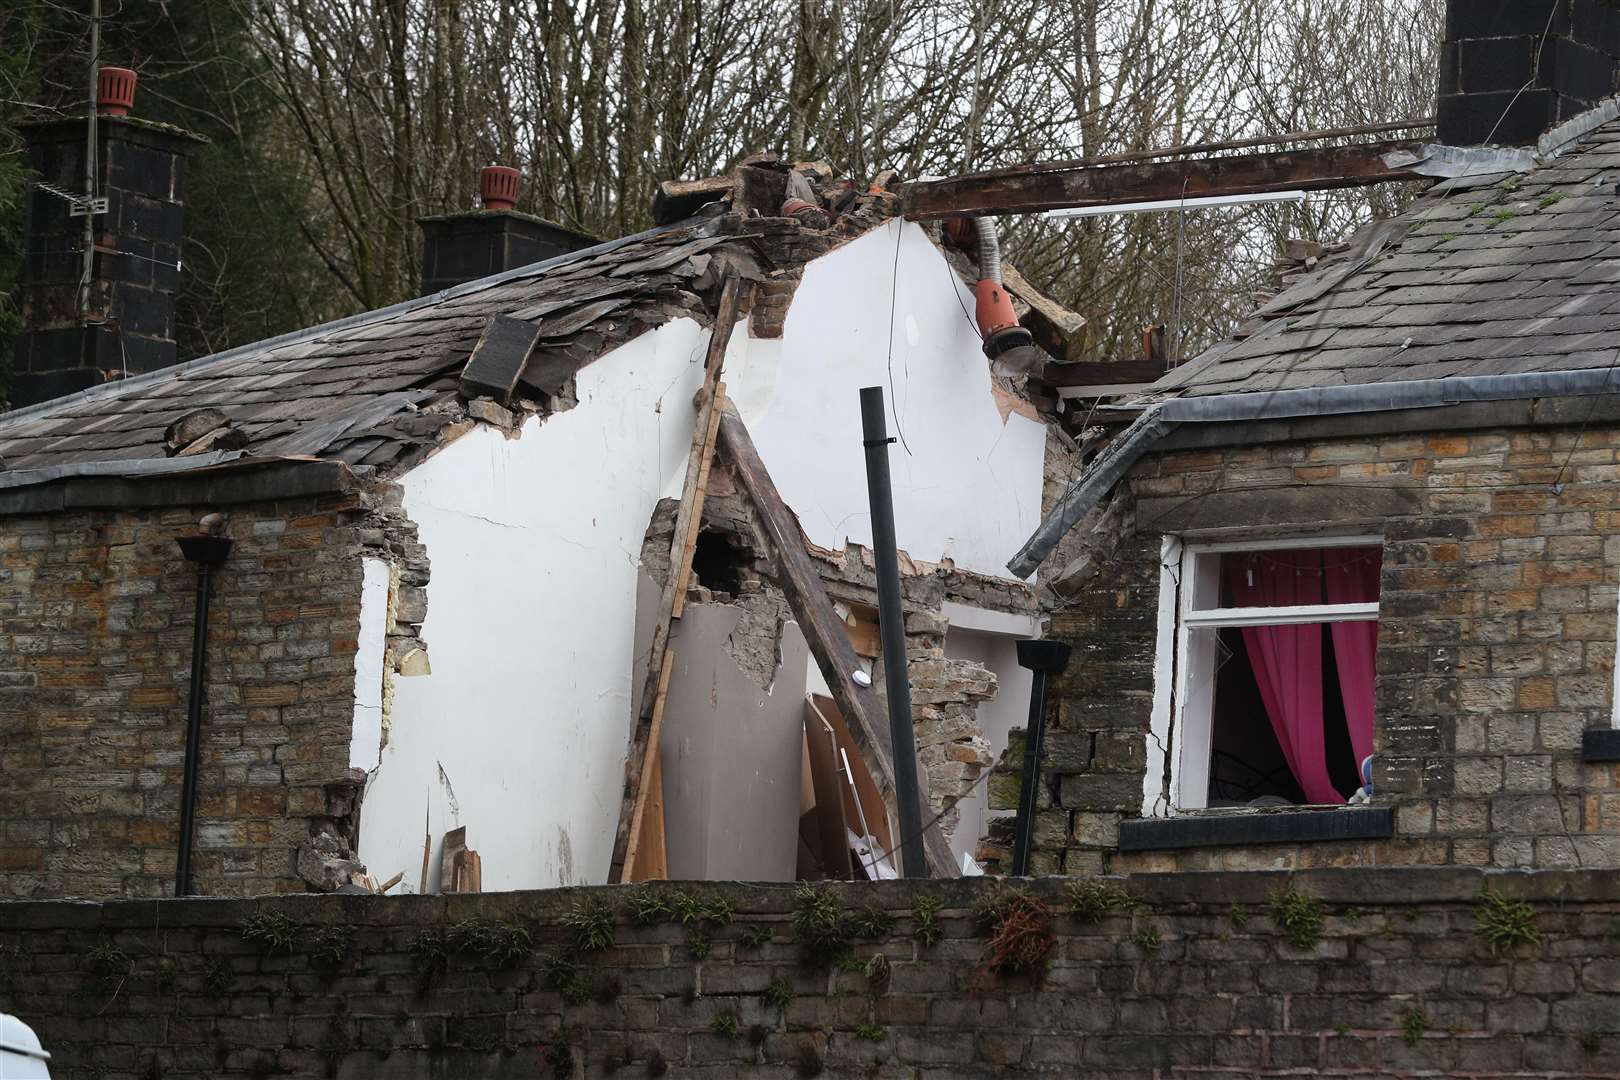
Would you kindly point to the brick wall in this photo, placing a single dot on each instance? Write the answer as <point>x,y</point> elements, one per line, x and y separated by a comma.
<point>95,653</point>
<point>1378,973</point>
<point>1496,644</point>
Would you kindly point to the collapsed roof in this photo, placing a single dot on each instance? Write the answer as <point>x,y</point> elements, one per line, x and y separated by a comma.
<point>1491,286</point>
<point>1491,274</point>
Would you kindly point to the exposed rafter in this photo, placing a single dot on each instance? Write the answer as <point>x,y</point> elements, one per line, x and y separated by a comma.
<point>1053,186</point>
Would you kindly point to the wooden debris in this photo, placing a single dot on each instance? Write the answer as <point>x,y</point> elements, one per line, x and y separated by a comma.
<point>683,566</point>
<point>1056,329</point>
<point>636,861</point>
<point>823,630</point>
<point>686,524</point>
<point>827,823</point>
<point>1028,189</point>
<point>680,199</point>
<point>460,868</point>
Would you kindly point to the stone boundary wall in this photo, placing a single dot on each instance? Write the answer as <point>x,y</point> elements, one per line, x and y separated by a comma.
<point>1353,973</point>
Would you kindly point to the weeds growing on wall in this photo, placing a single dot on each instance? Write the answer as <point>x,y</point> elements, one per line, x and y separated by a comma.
<point>1093,900</point>
<point>592,922</point>
<point>329,946</point>
<point>560,1056</point>
<point>819,925</point>
<point>871,1032</point>
<point>925,926</point>
<point>272,932</point>
<point>756,936</point>
<point>1414,1023</point>
<point>430,957</point>
<point>647,906</point>
<point>1148,940</point>
<point>870,922</point>
<point>779,994</point>
<point>217,975</point>
<point>878,973</point>
<point>499,944</point>
<point>1504,923</point>
<point>1019,926</point>
<point>1299,917</point>
<point>725,1025</point>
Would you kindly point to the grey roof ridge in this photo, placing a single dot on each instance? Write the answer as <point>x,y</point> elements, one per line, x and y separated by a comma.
<point>361,318</point>
<point>1161,417</point>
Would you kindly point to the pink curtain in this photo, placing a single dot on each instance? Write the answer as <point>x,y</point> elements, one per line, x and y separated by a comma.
<point>1350,576</point>
<point>1287,660</point>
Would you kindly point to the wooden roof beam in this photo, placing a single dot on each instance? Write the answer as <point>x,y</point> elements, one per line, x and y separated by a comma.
<point>1030,189</point>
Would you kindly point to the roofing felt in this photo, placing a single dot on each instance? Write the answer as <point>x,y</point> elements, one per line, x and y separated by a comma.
<point>375,389</point>
<point>1482,275</point>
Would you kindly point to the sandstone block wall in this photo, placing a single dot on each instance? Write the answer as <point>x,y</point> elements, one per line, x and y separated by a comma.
<point>1361,974</point>
<point>1496,644</point>
<point>95,654</point>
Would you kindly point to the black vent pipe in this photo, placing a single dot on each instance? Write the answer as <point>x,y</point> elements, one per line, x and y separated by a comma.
<point>207,552</point>
<point>892,631</point>
<point>1043,658</point>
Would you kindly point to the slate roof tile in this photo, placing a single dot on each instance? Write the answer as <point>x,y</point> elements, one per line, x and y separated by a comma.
<point>291,392</point>
<point>1482,276</point>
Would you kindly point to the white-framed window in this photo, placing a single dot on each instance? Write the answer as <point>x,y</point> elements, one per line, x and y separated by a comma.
<point>1263,688</point>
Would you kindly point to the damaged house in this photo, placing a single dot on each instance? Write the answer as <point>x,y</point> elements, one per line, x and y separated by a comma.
<point>559,574</point>
<point>1342,589</point>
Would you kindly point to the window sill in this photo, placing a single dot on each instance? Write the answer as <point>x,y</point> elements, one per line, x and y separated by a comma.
<point>1276,827</point>
<point>1600,744</point>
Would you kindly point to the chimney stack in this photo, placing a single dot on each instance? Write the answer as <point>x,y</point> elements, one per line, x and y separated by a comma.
<point>123,324</point>
<point>1513,69</point>
<point>457,248</point>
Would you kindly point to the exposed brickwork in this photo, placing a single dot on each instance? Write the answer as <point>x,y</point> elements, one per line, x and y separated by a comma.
<point>95,653</point>
<point>1496,643</point>
<point>1196,980</point>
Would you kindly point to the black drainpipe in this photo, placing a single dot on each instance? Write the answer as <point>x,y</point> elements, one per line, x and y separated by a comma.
<point>1044,658</point>
<point>207,552</point>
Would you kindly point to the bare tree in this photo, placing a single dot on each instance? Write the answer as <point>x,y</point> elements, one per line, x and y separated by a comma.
<point>388,107</point>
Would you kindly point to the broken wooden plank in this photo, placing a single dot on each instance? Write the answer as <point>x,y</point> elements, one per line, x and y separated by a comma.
<point>1033,188</point>
<point>632,865</point>
<point>683,568</point>
<point>652,860</point>
<point>498,359</point>
<point>685,522</point>
<point>821,743</point>
<point>1104,373</point>
<point>676,200</point>
<point>825,632</point>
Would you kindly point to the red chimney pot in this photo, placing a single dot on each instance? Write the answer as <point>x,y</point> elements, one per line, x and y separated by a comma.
<point>115,90</point>
<point>498,186</point>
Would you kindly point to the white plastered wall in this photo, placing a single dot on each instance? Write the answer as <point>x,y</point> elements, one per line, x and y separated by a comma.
<point>967,484</point>
<point>520,731</point>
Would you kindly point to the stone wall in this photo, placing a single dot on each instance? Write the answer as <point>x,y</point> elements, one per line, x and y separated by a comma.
<point>95,654</point>
<point>1368,973</point>
<point>1496,644</point>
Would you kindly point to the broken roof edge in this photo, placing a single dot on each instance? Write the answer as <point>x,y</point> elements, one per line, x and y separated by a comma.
<point>347,322</point>
<point>1161,417</point>
<point>221,478</point>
